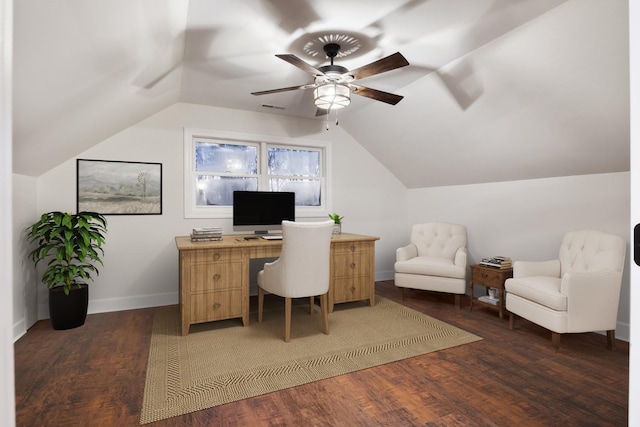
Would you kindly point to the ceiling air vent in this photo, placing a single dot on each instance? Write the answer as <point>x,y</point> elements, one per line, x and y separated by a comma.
<point>273,107</point>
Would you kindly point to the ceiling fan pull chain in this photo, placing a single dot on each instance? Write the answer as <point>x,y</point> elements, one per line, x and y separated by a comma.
<point>337,123</point>
<point>327,123</point>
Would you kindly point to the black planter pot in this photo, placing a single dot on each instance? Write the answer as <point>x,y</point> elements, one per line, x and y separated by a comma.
<point>68,311</point>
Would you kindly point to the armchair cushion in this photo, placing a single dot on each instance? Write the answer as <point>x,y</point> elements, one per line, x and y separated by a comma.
<point>543,290</point>
<point>431,266</point>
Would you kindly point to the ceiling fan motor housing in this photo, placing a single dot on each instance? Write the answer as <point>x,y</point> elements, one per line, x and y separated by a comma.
<point>331,49</point>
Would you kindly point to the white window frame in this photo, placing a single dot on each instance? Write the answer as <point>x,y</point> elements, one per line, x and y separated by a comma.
<point>191,210</point>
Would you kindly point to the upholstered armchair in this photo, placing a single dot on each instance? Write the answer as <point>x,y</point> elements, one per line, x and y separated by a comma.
<point>434,260</point>
<point>302,269</point>
<point>578,292</point>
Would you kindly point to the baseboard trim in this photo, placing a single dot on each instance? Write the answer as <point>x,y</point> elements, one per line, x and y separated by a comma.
<point>132,303</point>
<point>384,275</point>
<point>19,330</point>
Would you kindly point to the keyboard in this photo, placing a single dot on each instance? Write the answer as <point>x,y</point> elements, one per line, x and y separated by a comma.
<point>272,237</point>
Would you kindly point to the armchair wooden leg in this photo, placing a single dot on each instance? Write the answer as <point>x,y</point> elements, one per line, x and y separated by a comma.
<point>287,319</point>
<point>611,338</point>
<point>457,301</point>
<point>311,305</point>
<point>512,320</point>
<point>555,340</point>
<point>402,294</point>
<point>323,310</point>
<point>260,303</point>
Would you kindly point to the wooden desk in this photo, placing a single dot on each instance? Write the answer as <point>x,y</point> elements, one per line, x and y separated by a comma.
<point>214,276</point>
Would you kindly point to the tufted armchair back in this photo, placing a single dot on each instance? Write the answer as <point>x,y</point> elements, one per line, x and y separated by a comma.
<point>438,239</point>
<point>591,250</point>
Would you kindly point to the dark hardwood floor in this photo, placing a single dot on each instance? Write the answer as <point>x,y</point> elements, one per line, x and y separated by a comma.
<point>94,376</point>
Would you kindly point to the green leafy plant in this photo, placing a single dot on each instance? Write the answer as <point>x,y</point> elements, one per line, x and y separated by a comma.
<point>72,243</point>
<point>337,219</point>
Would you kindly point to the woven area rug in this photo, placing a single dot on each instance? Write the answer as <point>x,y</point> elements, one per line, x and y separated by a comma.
<point>222,362</point>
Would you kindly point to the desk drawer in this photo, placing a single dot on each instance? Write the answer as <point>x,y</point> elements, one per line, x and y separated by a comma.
<point>488,277</point>
<point>215,276</point>
<point>351,264</point>
<point>209,306</point>
<point>214,255</point>
<point>352,288</point>
<point>340,249</point>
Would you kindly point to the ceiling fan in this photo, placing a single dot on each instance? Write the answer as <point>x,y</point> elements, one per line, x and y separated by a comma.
<point>334,84</point>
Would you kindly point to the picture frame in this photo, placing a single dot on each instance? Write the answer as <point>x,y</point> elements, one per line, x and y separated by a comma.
<point>113,187</point>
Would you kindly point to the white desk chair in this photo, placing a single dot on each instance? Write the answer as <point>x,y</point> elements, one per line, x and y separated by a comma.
<point>302,269</point>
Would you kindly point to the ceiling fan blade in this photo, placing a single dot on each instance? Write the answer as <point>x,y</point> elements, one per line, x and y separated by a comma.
<point>294,60</point>
<point>383,65</point>
<point>284,89</point>
<point>376,94</point>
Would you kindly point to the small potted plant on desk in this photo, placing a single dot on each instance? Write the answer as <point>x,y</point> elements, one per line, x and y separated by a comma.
<point>337,223</point>
<point>73,244</point>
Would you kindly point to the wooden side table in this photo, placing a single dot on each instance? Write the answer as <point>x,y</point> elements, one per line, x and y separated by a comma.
<point>491,278</point>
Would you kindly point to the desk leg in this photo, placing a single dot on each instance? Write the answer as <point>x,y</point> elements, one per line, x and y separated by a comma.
<point>372,295</point>
<point>246,286</point>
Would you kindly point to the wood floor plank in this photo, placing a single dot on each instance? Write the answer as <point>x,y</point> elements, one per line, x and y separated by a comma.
<point>94,376</point>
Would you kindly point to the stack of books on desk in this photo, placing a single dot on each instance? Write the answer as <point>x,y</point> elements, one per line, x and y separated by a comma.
<point>206,234</point>
<point>497,262</point>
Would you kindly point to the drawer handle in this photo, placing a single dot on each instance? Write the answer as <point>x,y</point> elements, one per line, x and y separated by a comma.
<point>352,248</point>
<point>484,275</point>
<point>216,277</point>
<point>216,256</point>
<point>216,305</point>
<point>352,265</point>
<point>352,289</point>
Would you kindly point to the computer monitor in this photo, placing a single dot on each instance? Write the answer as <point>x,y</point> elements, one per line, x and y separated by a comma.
<point>262,211</point>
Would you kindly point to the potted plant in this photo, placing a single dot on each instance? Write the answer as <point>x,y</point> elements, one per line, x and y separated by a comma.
<point>73,245</point>
<point>337,223</point>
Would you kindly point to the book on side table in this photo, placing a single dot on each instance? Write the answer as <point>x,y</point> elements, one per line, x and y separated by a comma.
<point>497,262</point>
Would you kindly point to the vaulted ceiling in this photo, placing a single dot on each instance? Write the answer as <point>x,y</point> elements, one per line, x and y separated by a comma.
<point>496,90</point>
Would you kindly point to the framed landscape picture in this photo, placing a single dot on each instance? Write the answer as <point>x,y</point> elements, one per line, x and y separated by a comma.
<point>112,187</point>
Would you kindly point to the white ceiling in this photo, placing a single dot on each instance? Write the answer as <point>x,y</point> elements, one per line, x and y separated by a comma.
<point>497,90</point>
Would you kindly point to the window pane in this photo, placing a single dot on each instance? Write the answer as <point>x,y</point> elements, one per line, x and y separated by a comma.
<point>226,158</point>
<point>307,191</point>
<point>218,191</point>
<point>287,162</point>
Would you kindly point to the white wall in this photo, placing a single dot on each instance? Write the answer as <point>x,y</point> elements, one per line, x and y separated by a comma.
<point>527,219</point>
<point>25,212</point>
<point>7,395</point>
<point>634,353</point>
<point>141,265</point>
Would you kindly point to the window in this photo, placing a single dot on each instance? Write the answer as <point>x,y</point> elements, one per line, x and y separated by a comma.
<point>217,164</point>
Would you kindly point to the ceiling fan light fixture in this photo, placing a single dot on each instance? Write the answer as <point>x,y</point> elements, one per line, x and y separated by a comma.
<point>332,96</point>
